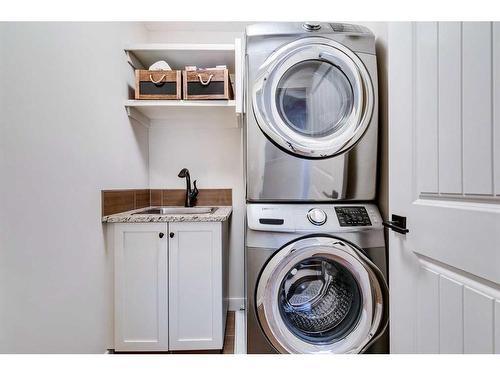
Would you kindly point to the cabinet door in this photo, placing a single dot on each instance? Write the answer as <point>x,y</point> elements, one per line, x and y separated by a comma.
<point>141,287</point>
<point>195,286</point>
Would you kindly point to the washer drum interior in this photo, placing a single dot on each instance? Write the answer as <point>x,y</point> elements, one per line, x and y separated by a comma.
<point>321,295</point>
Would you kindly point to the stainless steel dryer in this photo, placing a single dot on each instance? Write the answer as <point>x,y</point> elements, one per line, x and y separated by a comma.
<point>316,279</point>
<point>311,124</point>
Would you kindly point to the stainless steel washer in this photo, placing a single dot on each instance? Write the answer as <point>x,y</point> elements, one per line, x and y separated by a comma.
<point>311,127</point>
<point>315,279</point>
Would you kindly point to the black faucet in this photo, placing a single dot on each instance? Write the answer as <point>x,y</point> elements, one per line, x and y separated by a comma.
<point>190,194</point>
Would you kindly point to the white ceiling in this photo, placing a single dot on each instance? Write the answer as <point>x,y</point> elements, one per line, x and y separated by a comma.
<point>198,26</point>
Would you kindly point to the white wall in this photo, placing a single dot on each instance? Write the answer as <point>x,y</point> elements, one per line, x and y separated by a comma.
<point>64,136</point>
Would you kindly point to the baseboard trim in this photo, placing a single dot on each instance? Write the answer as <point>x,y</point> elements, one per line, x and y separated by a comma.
<point>236,303</point>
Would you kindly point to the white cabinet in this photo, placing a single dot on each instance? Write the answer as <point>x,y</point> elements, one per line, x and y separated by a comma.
<point>141,288</point>
<point>197,307</point>
<point>170,286</point>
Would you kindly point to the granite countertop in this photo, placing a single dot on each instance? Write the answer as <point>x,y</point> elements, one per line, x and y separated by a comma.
<point>222,213</point>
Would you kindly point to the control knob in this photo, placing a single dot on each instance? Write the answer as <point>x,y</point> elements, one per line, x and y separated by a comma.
<point>316,216</point>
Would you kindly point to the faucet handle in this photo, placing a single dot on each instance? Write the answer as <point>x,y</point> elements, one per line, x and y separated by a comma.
<point>194,193</point>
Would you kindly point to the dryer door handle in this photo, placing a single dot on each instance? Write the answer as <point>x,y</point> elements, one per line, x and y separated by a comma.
<point>397,224</point>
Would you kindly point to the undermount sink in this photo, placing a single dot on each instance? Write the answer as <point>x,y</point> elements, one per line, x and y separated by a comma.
<point>176,211</point>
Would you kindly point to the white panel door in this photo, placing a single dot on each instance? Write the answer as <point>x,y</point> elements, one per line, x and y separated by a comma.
<point>141,289</point>
<point>196,312</point>
<point>444,176</point>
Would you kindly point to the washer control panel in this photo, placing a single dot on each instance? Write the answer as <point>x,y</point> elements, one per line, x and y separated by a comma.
<point>316,216</point>
<point>352,216</point>
<point>313,218</point>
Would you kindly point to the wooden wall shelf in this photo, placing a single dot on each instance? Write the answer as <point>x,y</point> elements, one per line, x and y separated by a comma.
<point>178,55</point>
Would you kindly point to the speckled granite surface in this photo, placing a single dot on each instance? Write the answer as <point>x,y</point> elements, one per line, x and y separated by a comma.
<point>221,214</point>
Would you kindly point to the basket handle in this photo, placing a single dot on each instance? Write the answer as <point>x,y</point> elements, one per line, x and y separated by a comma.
<point>205,83</point>
<point>158,81</point>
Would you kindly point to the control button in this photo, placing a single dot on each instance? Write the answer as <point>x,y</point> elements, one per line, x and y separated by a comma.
<point>316,216</point>
<point>352,216</point>
<point>272,221</point>
<point>311,26</point>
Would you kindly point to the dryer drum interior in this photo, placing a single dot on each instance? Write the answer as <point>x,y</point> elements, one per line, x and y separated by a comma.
<point>314,98</point>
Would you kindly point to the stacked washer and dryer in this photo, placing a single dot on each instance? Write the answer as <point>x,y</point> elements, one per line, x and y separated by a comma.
<point>316,264</point>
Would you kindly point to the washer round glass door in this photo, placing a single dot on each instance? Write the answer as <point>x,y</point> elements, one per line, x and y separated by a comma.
<point>313,98</point>
<point>320,295</point>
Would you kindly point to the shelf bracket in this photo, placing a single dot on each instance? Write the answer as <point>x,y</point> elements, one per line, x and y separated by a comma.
<point>133,60</point>
<point>138,116</point>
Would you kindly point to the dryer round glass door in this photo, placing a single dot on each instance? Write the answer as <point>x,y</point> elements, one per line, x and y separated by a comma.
<point>321,295</point>
<point>313,98</point>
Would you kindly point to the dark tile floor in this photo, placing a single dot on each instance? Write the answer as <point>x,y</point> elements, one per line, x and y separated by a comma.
<point>229,337</point>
